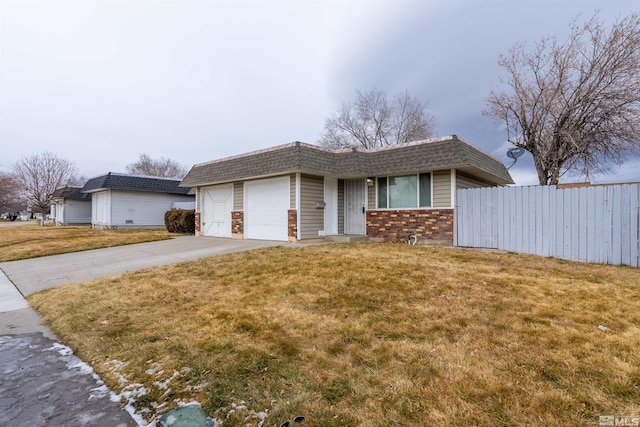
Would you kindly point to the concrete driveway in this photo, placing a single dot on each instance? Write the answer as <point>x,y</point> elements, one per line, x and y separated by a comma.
<point>15,223</point>
<point>36,274</point>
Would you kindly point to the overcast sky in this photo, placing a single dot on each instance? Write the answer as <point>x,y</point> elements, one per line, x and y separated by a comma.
<point>100,82</point>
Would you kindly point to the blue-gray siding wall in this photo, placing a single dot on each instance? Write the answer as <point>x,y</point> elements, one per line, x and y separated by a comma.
<point>137,209</point>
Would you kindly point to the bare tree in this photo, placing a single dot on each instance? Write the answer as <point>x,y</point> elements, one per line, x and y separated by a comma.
<point>372,121</point>
<point>10,200</point>
<point>39,175</point>
<point>162,167</point>
<point>575,106</point>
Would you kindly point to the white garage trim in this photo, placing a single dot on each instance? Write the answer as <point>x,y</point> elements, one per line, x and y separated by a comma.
<point>266,206</point>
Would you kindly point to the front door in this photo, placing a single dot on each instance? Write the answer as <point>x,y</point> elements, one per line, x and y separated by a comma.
<point>355,193</point>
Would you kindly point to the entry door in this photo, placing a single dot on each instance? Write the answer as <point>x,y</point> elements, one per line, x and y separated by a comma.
<point>217,202</point>
<point>354,206</point>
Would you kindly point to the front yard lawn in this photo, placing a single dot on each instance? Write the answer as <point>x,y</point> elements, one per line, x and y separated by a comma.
<point>31,241</point>
<point>364,335</point>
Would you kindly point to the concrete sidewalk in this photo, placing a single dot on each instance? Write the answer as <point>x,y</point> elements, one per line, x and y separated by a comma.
<point>41,382</point>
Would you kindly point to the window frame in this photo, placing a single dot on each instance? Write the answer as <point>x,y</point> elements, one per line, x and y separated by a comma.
<point>418,188</point>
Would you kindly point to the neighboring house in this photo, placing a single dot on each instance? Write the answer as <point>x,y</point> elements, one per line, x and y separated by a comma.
<point>71,206</point>
<point>299,191</point>
<point>122,201</point>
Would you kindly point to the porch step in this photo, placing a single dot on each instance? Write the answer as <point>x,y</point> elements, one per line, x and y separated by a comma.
<point>346,238</point>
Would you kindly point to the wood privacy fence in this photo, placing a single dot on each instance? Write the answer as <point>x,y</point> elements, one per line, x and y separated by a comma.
<point>594,224</point>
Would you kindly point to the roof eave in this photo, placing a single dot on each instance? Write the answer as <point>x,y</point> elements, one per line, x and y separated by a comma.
<point>481,173</point>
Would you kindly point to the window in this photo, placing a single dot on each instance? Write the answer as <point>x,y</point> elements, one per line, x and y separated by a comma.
<point>405,191</point>
<point>382,192</point>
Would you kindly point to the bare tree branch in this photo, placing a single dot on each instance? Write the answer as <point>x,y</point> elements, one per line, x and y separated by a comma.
<point>372,121</point>
<point>39,175</point>
<point>162,167</point>
<point>10,199</point>
<point>574,105</point>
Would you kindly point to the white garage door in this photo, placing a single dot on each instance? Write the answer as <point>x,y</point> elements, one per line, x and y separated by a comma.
<point>217,202</point>
<point>266,205</point>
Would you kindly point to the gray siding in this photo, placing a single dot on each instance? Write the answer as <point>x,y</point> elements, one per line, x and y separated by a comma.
<point>142,209</point>
<point>341,206</point>
<point>311,218</point>
<point>76,212</point>
<point>441,184</point>
<point>292,191</point>
<point>238,196</point>
<point>464,181</point>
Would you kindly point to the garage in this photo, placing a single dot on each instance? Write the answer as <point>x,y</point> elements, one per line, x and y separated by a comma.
<point>266,206</point>
<point>217,202</point>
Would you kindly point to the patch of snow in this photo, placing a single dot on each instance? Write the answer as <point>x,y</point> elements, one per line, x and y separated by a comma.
<point>99,392</point>
<point>63,350</point>
<point>83,367</point>
<point>192,402</point>
<point>164,385</point>
<point>239,407</point>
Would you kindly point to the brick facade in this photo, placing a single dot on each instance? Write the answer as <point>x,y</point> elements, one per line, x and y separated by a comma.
<point>397,225</point>
<point>292,215</point>
<point>197,219</point>
<point>237,224</point>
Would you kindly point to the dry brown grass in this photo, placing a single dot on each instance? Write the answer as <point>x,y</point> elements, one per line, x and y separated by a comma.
<point>366,335</point>
<point>31,241</point>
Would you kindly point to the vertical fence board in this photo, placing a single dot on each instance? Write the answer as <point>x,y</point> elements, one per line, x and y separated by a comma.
<point>546,219</point>
<point>583,198</point>
<point>600,228</point>
<point>538,220</point>
<point>625,238</point>
<point>494,217</point>
<point>533,231</point>
<point>635,214</point>
<point>487,217</point>
<point>552,218</point>
<point>559,230</point>
<point>568,220</point>
<point>514,222</point>
<point>502,232</point>
<point>461,219</point>
<point>616,226</point>
<point>573,244</point>
<point>590,226</point>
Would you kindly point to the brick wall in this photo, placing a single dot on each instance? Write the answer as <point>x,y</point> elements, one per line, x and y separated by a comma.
<point>292,215</point>
<point>397,225</point>
<point>237,224</point>
<point>197,219</point>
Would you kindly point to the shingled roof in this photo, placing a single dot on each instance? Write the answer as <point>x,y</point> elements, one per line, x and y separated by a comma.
<point>71,193</point>
<point>431,154</point>
<point>117,181</point>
